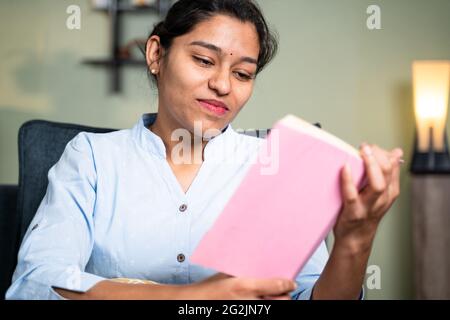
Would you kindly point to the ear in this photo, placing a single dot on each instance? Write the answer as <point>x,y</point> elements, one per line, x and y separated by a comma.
<point>153,54</point>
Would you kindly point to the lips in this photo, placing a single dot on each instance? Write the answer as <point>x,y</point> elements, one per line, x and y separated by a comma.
<point>215,103</point>
<point>214,106</point>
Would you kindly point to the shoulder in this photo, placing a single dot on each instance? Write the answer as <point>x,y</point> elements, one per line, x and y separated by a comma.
<point>89,150</point>
<point>90,141</point>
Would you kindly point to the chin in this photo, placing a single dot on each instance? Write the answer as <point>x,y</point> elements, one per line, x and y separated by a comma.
<point>209,130</point>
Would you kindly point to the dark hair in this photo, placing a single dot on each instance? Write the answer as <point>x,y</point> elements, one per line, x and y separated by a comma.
<point>184,15</point>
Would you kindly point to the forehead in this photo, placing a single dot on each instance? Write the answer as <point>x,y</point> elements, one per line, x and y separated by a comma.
<point>227,33</point>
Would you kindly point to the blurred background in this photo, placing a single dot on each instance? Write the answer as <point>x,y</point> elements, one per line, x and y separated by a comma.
<point>331,68</point>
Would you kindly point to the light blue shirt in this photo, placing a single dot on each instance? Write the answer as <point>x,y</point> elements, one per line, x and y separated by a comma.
<point>112,210</point>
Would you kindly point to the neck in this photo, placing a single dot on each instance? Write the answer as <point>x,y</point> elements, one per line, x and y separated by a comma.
<point>164,128</point>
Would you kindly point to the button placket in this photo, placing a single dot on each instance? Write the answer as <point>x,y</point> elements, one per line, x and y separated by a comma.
<point>182,244</point>
<point>181,257</point>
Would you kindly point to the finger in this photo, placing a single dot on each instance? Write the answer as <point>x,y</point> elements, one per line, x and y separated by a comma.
<point>274,287</point>
<point>376,181</point>
<point>397,154</point>
<point>348,188</point>
<point>383,159</point>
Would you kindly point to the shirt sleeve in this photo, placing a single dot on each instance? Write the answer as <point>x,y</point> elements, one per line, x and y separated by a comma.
<point>59,241</point>
<point>310,273</point>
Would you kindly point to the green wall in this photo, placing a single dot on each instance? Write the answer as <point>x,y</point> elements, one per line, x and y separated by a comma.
<point>330,68</point>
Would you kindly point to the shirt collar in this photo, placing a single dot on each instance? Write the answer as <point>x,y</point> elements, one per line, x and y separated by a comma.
<point>151,142</point>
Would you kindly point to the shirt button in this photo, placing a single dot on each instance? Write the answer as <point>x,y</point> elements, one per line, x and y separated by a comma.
<point>182,208</point>
<point>181,257</point>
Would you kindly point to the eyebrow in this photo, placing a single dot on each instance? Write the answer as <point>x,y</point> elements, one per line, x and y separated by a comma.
<point>215,48</point>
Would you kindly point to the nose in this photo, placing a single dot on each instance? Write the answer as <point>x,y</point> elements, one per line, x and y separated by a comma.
<point>220,82</point>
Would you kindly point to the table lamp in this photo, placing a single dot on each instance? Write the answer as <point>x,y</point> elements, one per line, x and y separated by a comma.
<point>430,181</point>
<point>431,81</point>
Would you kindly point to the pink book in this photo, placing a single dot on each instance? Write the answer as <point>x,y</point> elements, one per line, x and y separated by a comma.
<point>276,219</point>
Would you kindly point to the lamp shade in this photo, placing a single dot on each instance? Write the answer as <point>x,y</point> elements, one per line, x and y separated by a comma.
<point>431,88</point>
<point>431,82</point>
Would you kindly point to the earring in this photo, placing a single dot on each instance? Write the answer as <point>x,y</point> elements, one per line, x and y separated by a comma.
<point>153,71</point>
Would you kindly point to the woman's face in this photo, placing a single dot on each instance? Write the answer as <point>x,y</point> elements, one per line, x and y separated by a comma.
<point>208,75</point>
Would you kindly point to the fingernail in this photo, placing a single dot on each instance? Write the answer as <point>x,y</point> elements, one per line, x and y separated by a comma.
<point>367,150</point>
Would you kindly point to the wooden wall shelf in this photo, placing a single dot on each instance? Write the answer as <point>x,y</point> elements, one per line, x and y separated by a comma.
<point>114,62</point>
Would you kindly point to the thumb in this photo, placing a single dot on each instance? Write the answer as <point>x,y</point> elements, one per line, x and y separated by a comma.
<point>274,287</point>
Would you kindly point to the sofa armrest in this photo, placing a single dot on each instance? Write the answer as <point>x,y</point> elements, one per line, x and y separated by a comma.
<point>8,235</point>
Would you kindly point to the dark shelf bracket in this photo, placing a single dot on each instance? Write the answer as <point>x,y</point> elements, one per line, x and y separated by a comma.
<point>114,62</point>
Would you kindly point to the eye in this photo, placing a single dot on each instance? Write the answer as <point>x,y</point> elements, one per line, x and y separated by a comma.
<point>244,76</point>
<point>203,62</point>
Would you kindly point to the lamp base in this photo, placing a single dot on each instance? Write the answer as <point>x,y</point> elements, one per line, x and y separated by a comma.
<point>430,163</point>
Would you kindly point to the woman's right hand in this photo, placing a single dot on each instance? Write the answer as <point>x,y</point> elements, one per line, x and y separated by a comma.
<point>225,287</point>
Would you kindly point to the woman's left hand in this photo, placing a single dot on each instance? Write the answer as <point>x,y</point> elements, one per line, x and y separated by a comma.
<point>362,211</point>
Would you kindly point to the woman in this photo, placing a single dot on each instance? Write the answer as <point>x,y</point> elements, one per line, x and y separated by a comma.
<point>129,204</point>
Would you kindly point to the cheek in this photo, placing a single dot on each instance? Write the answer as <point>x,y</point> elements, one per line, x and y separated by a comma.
<point>178,73</point>
<point>243,92</point>
<point>184,76</point>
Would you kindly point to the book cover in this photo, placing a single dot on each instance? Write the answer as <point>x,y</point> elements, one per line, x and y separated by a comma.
<point>274,221</point>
